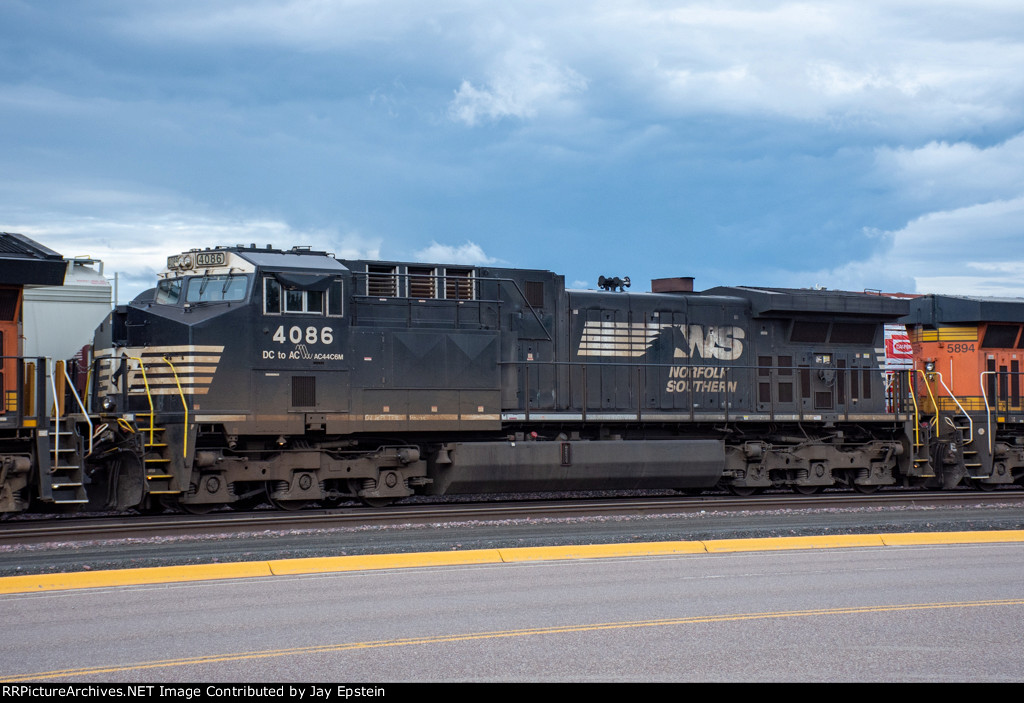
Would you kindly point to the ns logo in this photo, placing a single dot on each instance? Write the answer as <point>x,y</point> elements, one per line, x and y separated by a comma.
<point>722,342</point>
<point>625,339</point>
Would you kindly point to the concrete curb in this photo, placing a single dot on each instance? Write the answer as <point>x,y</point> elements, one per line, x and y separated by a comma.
<point>321,565</point>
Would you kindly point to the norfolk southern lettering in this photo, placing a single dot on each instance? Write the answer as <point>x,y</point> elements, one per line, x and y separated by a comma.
<point>700,379</point>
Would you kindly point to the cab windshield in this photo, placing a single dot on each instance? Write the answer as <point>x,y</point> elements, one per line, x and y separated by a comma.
<point>212,289</point>
<point>168,291</point>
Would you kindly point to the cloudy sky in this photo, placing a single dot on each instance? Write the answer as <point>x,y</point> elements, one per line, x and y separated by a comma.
<point>848,144</point>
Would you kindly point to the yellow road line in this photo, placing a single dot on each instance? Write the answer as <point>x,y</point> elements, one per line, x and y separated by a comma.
<point>317,565</point>
<point>527,632</point>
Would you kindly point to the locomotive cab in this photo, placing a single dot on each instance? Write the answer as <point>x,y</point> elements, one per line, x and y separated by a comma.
<point>229,342</point>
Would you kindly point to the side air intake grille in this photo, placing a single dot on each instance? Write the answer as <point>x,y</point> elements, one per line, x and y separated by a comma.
<point>303,391</point>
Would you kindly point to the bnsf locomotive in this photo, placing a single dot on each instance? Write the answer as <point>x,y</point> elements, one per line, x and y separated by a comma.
<point>255,374</point>
<point>968,355</point>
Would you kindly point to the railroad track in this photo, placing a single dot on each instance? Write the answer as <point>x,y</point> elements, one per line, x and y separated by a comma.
<point>80,528</point>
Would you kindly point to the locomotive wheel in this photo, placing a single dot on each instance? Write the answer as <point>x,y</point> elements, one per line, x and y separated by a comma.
<point>866,488</point>
<point>200,508</point>
<point>982,486</point>
<point>249,500</point>
<point>808,490</point>
<point>744,491</point>
<point>378,502</point>
<point>288,505</point>
<point>246,504</point>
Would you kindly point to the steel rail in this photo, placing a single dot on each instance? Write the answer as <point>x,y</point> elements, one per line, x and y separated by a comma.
<point>41,530</point>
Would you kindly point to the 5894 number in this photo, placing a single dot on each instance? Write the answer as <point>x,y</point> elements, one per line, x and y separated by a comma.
<point>309,335</point>
<point>959,348</point>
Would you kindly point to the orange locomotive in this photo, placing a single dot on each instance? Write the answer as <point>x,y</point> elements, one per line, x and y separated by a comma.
<point>969,411</point>
<point>32,462</point>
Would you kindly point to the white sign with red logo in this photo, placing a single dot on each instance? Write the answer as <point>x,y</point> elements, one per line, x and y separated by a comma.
<point>899,353</point>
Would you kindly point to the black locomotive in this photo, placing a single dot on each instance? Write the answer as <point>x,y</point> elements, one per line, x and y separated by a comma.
<point>251,373</point>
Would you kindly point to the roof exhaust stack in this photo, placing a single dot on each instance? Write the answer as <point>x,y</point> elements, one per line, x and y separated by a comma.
<point>683,284</point>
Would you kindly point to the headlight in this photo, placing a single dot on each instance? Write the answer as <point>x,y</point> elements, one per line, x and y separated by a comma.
<point>108,404</point>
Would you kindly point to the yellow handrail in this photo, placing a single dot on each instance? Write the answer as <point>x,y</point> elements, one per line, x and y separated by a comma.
<point>181,394</point>
<point>935,403</point>
<point>917,411</point>
<point>88,386</point>
<point>149,397</point>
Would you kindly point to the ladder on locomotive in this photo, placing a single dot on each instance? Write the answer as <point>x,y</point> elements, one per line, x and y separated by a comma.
<point>156,458</point>
<point>156,452</point>
<point>921,447</point>
<point>65,445</point>
<point>961,424</point>
<point>963,429</point>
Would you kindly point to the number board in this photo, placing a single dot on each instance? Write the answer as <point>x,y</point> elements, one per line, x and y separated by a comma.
<point>209,258</point>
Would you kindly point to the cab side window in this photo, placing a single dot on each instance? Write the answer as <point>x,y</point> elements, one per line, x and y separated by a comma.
<point>334,300</point>
<point>277,300</point>
<point>271,297</point>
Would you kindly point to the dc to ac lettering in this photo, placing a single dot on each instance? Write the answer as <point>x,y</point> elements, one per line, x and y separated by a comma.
<point>301,353</point>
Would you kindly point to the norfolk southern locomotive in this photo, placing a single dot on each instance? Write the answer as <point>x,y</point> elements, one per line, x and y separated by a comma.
<point>251,374</point>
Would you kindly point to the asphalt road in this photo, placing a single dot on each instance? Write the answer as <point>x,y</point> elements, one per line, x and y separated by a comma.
<point>915,613</point>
